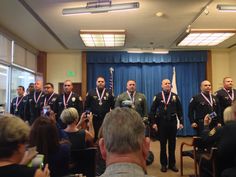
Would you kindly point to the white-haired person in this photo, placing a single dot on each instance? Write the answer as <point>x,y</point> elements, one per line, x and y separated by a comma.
<point>124,145</point>
<point>14,136</point>
<point>80,132</point>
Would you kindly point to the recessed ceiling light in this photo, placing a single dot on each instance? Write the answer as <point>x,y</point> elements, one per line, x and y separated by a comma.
<point>103,38</point>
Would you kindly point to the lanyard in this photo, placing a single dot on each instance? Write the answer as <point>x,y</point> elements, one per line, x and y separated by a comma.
<point>131,98</point>
<point>37,100</point>
<point>100,97</point>
<point>230,96</point>
<point>209,101</point>
<point>65,102</point>
<point>18,102</point>
<point>46,101</point>
<point>164,99</point>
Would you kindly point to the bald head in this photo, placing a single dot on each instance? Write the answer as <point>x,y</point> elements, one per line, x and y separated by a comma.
<point>166,85</point>
<point>68,86</point>
<point>205,86</point>
<point>38,86</point>
<point>228,83</point>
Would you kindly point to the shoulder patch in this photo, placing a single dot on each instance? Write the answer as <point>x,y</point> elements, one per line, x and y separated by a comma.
<point>212,132</point>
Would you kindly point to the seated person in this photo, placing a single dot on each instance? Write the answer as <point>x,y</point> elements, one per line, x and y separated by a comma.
<point>124,145</point>
<point>44,135</point>
<point>14,135</point>
<point>76,130</point>
<point>224,138</point>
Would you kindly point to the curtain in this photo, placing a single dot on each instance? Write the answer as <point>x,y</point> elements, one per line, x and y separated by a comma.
<point>148,76</point>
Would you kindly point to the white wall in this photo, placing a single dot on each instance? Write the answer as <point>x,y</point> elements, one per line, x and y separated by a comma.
<point>220,68</point>
<point>58,64</point>
<point>232,67</point>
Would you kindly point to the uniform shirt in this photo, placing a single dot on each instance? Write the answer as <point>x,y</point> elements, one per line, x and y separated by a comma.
<point>92,102</point>
<point>18,106</point>
<point>224,99</point>
<point>34,106</point>
<point>160,111</point>
<point>52,101</point>
<point>74,101</point>
<point>199,108</point>
<point>140,102</point>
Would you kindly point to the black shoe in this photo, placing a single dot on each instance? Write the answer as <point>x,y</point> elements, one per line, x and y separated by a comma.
<point>163,169</point>
<point>174,168</point>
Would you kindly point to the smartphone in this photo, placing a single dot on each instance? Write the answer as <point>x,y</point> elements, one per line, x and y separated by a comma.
<point>37,161</point>
<point>212,115</point>
<point>46,111</point>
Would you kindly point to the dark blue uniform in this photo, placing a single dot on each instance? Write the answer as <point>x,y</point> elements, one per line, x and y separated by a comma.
<point>52,101</point>
<point>18,106</point>
<point>34,106</point>
<point>74,101</point>
<point>165,116</point>
<point>199,108</point>
<point>224,99</point>
<point>99,111</point>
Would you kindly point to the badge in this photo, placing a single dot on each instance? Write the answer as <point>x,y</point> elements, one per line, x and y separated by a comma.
<point>54,99</point>
<point>174,98</point>
<point>140,99</point>
<point>73,99</point>
<point>95,97</point>
<point>107,94</point>
<point>105,98</point>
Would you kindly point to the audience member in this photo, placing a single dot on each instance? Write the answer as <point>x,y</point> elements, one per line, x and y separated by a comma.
<point>14,135</point>
<point>76,130</point>
<point>44,136</point>
<point>124,145</point>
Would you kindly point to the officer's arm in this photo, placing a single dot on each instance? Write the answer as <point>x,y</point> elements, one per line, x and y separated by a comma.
<point>112,100</point>
<point>27,110</point>
<point>145,109</point>
<point>179,111</point>
<point>87,102</point>
<point>11,108</point>
<point>118,101</point>
<point>153,111</point>
<point>191,110</point>
<point>79,105</point>
<point>218,112</point>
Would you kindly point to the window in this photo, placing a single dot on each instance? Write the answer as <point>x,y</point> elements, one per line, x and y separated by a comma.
<point>4,85</point>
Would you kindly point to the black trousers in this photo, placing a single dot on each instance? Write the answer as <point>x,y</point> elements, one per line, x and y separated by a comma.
<point>97,123</point>
<point>167,131</point>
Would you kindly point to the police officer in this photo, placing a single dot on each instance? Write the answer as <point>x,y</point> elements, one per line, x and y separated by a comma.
<point>224,139</point>
<point>99,101</point>
<point>51,98</point>
<point>68,99</point>
<point>201,105</point>
<point>165,110</point>
<point>34,104</point>
<point>132,98</point>
<point>18,103</point>
<point>226,95</point>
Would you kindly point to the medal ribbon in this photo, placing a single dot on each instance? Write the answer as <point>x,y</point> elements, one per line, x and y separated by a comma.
<point>17,103</point>
<point>37,100</point>
<point>209,101</point>
<point>132,99</point>
<point>46,101</point>
<point>164,98</point>
<point>100,97</point>
<point>65,102</point>
<point>230,96</point>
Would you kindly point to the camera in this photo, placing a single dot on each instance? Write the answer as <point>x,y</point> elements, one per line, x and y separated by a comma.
<point>37,161</point>
<point>87,112</point>
<point>46,111</point>
<point>212,115</point>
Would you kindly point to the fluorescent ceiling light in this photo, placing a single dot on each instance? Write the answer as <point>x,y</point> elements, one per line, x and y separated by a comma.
<point>103,38</point>
<point>154,51</point>
<point>206,37</point>
<point>226,7</point>
<point>100,7</point>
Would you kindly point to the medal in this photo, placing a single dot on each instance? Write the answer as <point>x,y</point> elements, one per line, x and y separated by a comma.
<point>231,97</point>
<point>210,102</point>
<point>132,98</point>
<point>164,100</point>
<point>18,102</point>
<point>37,100</point>
<point>100,97</point>
<point>65,102</point>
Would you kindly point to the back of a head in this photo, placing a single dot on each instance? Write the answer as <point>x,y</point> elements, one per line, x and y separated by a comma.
<point>228,114</point>
<point>123,131</point>
<point>70,115</point>
<point>13,131</point>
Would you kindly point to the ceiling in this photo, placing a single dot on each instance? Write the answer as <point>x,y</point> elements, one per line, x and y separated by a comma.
<point>40,23</point>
